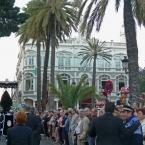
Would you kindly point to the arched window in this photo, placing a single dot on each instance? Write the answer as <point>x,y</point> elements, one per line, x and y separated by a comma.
<point>102,81</point>
<point>29,83</point>
<point>65,78</point>
<point>121,81</point>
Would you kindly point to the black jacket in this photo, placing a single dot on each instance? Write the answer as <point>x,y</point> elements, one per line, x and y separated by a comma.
<point>34,122</point>
<point>19,135</point>
<point>108,130</point>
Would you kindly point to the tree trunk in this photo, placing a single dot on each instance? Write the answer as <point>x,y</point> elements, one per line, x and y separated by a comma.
<point>132,52</point>
<point>94,77</point>
<point>52,74</point>
<point>38,45</point>
<point>53,42</point>
<point>44,86</point>
<point>94,72</point>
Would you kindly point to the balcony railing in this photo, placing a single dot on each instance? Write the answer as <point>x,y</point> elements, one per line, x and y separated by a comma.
<point>83,69</point>
<point>88,69</point>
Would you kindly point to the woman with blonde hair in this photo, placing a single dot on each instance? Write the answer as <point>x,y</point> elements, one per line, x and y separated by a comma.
<point>20,134</point>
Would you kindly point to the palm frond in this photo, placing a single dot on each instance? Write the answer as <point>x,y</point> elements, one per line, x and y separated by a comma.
<point>60,83</point>
<point>72,94</point>
<point>117,4</point>
<point>85,17</point>
<point>87,92</point>
<point>101,6</point>
<point>94,48</point>
<point>81,11</point>
<point>138,8</point>
<point>79,86</point>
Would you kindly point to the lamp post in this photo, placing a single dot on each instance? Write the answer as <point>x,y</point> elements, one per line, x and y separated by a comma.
<point>125,64</point>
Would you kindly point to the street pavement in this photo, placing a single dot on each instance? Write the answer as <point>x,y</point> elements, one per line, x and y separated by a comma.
<point>44,141</point>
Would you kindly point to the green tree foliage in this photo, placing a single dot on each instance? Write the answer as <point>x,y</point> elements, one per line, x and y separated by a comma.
<point>70,95</point>
<point>142,80</point>
<point>92,52</point>
<point>28,31</point>
<point>10,18</point>
<point>6,101</point>
<point>92,13</point>
<point>54,19</point>
<point>142,84</point>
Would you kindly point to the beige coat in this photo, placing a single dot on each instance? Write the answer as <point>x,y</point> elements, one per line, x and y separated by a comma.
<point>84,126</point>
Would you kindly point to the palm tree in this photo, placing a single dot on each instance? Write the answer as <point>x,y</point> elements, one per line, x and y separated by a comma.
<point>77,3</point>
<point>62,25</point>
<point>70,95</point>
<point>94,15</point>
<point>32,30</point>
<point>28,32</point>
<point>91,52</point>
<point>36,9</point>
<point>59,23</point>
<point>55,18</point>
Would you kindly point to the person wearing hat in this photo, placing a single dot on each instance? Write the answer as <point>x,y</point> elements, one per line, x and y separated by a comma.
<point>136,138</point>
<point>109,128</point>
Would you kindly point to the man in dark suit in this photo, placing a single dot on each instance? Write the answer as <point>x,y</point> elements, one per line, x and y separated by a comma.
<point>20,134</point>
<point>34,122</point>
<point>109,128</point>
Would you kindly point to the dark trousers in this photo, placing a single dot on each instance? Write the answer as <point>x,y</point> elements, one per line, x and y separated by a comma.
<point>36,142</point>
<point>66,139</point>
<point>75,140</point>
<point>60,134</point>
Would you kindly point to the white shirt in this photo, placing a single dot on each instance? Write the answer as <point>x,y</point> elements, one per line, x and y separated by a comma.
<point>77,129</point>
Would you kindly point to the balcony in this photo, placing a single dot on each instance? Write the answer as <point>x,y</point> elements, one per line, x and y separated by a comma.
<point>88,69</point>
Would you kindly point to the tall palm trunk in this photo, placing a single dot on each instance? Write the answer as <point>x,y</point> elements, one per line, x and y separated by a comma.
<point>53,46</point>
<point>94,71</point>
<point>38,45</point>
<point>94,77</point>
<point>132,51</point>
<point>52,75</point>
<point>44,86</point>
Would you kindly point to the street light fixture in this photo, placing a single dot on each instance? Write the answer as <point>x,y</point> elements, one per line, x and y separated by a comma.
<point>125,64</point>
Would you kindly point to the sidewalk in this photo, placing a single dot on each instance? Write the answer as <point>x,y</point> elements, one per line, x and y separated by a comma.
<point>44,141</point>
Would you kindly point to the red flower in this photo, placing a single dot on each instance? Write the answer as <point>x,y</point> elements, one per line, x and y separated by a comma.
<point>108,87</point>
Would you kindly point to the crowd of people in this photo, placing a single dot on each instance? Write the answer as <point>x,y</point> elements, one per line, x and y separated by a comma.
<point>109,125</point>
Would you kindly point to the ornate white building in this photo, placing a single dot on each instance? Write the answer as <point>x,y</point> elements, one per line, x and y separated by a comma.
<point>68,65</point>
